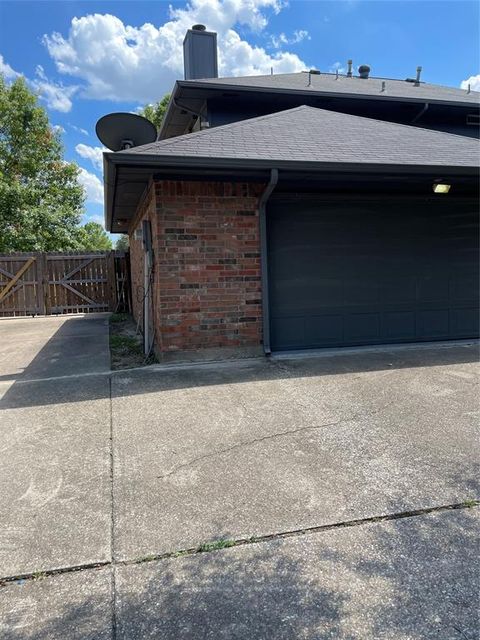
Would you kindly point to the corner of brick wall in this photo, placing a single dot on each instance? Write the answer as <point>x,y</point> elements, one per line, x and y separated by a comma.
<point>207,263</point>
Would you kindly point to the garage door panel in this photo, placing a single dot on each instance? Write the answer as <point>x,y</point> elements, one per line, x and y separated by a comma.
<point>465,322</point>
<point>434,323</point>
<point>324,329</point>
<point>465,287</point>
<point>287,332</point>
<point>433,287</point>
<point>361,327</point>
<point>400,325</point>
<point>347,273</point>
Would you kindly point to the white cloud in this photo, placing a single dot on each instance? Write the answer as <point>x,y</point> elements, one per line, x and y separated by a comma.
<point>121,62</point>
<point>94,154</point>
<point>337,66</point>
<point>282,39</point>
<point>6,70</point>
<point>57,96</point>
<point>94,217</point>
<point>58,128</point>
<point>78,129</point>
<point>473,81</point>
<point>92,186</point>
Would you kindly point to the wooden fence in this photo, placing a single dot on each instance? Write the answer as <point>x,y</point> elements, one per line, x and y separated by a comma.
<point>64,282</point>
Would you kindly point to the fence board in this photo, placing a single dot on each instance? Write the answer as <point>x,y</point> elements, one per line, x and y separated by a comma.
<point>68,282</point>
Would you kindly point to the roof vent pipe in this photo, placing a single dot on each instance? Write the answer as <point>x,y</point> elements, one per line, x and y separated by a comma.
<point>349,72</point>
<point>417,79</point>
<point>364,71</point>
<point>312,72</point>
<point>200,53</point>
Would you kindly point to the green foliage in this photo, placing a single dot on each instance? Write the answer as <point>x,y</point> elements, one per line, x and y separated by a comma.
<point>125,343</point>
<point>119,317</point>
<point>156,112</point>
<point>93,237</point>
<point>41,200</point>
<point>122,243</point>
<point>214,545</point>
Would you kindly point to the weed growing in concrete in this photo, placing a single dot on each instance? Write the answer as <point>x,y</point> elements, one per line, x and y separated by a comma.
<point>214,545</point>
<point>148,558</point>
<point>39,575</point>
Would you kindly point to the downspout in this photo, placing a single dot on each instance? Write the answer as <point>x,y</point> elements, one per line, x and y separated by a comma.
<point>420,113</point>
<point>262,207</point>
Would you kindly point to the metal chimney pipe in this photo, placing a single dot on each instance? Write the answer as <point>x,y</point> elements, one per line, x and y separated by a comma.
<point>349,72</point>
<point>417,79</point>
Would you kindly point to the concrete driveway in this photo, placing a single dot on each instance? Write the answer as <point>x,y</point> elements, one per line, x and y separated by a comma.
<point>341,488</point>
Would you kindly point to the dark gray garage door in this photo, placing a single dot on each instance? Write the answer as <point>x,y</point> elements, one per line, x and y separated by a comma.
<point>356,273</point>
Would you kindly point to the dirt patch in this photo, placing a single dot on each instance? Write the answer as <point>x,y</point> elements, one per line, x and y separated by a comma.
<point>126,344</point>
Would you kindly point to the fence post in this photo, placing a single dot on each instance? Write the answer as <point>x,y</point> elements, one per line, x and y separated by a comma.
<point>112,280</point>
<point>46,283</point>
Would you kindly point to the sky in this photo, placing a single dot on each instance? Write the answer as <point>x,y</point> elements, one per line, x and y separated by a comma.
<point>87,58</point>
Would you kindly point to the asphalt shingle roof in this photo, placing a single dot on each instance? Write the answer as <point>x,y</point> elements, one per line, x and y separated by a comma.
<point>329,83</point>
<point>308,134</point>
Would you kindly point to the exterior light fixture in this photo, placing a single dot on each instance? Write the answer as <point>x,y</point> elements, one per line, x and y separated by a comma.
<point>441,187</point>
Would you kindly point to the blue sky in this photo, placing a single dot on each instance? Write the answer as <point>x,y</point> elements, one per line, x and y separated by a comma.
<point>88,58</point>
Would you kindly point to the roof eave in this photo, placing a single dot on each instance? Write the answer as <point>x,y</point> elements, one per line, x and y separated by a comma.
<point>156,160</point>
<point>152,164</point>
<point>329,94</point>
<point>169,112</point>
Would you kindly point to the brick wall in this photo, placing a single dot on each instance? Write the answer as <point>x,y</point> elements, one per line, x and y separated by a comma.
<point>207,264</point>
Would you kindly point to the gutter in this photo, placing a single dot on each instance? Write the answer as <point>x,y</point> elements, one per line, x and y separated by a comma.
<point>155,161</point>
<point>264,259</point>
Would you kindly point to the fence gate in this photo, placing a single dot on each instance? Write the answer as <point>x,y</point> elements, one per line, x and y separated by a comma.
<point>21,289</point>
<point>57,283</point>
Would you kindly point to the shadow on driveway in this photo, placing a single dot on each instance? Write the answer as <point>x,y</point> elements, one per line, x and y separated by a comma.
<point>81,345</point>
<point>408,578</point>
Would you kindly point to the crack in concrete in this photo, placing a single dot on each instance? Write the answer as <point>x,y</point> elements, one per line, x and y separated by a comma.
<point>238,542</point>
<point>280,434</point>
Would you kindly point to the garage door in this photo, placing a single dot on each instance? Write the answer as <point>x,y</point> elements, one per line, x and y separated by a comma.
<point>350,273</point>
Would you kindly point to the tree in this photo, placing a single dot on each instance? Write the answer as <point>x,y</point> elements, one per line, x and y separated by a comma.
<point>93,237</point>
<point>41,200</point>
<point>122,243</point>
<point>156,112</point>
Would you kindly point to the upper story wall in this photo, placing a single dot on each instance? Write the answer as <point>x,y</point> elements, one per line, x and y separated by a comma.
<point>450,119</point>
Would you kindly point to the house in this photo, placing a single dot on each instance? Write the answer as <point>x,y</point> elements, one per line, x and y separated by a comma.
<point>301,211</point>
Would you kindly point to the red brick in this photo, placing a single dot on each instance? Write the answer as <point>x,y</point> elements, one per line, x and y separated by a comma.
<point>207,290</point>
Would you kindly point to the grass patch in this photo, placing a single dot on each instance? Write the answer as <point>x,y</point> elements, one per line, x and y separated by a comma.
<point>214,545</point>
<point>471,503</point>
<point>119,317</point>
<point>126,343</point>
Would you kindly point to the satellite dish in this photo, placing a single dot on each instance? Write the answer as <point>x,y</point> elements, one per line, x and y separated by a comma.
<point>118,131</point>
